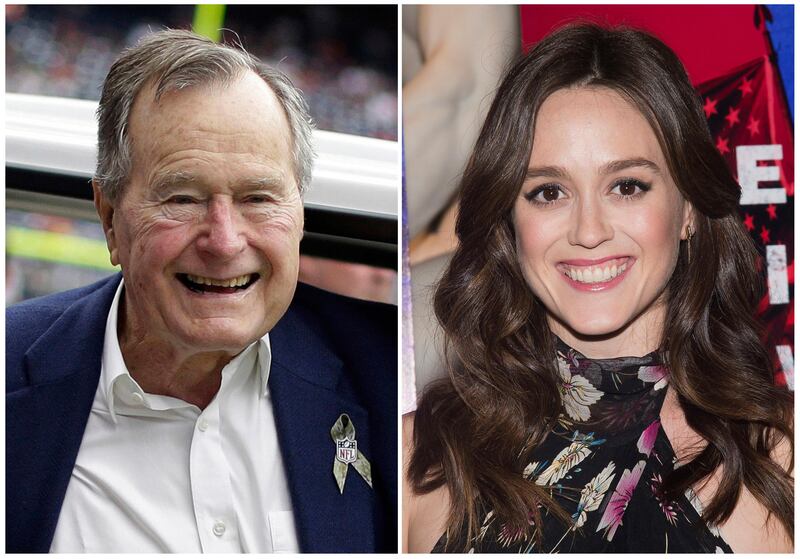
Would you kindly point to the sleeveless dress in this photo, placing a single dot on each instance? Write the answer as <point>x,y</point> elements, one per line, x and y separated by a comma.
<point>604,463</point>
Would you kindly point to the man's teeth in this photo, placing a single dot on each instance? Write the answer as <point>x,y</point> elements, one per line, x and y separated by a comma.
<point>595,274</point>
<point>233,282</point>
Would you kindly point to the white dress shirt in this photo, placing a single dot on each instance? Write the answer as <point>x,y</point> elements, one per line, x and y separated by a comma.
<point>157,474</point>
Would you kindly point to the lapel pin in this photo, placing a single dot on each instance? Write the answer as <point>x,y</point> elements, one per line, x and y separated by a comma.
<point>343,434</point>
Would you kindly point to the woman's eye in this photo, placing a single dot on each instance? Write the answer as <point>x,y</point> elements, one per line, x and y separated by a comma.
<point>630,187</point>
<point>545,194</point>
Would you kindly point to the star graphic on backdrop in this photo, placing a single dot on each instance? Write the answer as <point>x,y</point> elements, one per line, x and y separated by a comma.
<point>733,116</point>
<point>748,222</point>
<point>764,235</point>
<point>710,107</point>
<point>722,145</point>
<point>745,87</point>
<point>752,126</point>
<point>772,211</point>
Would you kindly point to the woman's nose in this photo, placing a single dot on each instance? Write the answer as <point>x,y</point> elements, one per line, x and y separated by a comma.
<point>589,225</point>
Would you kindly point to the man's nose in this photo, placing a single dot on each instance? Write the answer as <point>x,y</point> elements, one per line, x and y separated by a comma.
<point>589,226</point>
<point>223,232</point>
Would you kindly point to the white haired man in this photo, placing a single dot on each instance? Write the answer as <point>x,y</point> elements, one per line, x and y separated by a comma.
<point>201,400</point>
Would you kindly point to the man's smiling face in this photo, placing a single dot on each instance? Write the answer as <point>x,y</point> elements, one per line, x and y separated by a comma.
<point>207,229</point>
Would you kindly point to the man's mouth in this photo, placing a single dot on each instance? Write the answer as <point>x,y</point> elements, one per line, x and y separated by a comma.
<point>201,284</point>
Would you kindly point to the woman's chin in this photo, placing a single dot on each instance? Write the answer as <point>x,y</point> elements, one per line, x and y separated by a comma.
<point>594,327</point>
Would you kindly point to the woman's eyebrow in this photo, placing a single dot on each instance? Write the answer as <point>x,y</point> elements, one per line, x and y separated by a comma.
<point>556,172</point>
<point>622,164</point>
<point>550,171</point>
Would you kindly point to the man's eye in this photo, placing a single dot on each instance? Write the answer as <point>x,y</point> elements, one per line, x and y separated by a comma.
<point>257,199</point>
<point>182,200</point>
<point>545,194</point>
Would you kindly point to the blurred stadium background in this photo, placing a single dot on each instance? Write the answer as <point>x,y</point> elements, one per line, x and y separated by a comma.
<point>344,58</point>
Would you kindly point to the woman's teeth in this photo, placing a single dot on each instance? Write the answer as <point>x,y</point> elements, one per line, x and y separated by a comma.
<point>595,274</point>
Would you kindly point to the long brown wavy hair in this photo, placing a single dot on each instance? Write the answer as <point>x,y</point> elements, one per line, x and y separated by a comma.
<point>474,429</point>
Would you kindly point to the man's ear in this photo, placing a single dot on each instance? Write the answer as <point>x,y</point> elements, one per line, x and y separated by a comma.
<point>105,209</point>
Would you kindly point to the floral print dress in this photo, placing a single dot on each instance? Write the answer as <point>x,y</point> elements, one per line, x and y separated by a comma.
<point>604,464</point>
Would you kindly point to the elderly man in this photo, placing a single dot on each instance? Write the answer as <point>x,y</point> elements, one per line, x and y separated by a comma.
<point>201,401</point>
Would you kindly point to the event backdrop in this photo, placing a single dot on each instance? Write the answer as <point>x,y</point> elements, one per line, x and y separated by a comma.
<point>740,59</point>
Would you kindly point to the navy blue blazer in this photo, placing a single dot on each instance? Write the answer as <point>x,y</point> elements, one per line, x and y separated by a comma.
<point>331,355</point>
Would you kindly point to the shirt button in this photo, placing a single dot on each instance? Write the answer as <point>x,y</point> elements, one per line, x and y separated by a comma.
<point>137,398</point>
<point>203,425</point>
<point>219,528</point>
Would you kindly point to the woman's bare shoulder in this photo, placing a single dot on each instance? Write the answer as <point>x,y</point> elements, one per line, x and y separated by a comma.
<point>751,528</point>
<point>424,516</point>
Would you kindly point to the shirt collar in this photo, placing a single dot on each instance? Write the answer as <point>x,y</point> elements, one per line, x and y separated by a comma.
<point>122,391</point>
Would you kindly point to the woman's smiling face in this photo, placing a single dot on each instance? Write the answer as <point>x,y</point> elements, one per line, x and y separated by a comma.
<point>598,222</point>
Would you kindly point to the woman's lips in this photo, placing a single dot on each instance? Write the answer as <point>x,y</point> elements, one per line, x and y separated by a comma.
<point>595,275</point>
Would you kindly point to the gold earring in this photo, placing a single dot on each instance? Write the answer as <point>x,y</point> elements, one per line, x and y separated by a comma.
<point>689,235</point>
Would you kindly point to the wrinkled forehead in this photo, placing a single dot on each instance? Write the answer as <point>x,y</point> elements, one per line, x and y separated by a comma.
<point>241,116</point>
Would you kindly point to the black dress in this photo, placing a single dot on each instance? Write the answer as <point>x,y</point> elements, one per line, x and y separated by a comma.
<point>604,463</point>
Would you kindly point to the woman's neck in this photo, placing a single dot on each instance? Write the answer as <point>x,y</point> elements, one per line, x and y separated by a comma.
<point>639,337</point>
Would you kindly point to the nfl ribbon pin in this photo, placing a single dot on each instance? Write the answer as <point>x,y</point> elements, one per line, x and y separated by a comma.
<point>343,434</point>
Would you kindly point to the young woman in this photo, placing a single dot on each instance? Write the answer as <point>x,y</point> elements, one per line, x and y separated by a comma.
<point>607,388</point>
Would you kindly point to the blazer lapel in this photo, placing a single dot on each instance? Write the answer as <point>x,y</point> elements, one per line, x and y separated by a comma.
<point>49,417</point>
<point>303,383</point>
<point>308,391</point>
